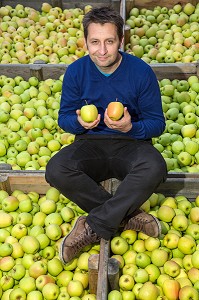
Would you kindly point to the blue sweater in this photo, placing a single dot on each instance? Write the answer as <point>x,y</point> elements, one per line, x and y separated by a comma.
<point>133,83</point>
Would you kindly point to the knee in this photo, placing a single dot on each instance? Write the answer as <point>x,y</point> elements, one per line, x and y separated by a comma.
<point>50,171</point>
<point>158,168</point>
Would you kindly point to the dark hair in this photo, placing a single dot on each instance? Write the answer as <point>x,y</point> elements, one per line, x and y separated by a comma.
<point>103,15</point>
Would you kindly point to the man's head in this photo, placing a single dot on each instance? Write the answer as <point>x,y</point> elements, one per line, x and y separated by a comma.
<point>103,31</point>
<point>101,16</point>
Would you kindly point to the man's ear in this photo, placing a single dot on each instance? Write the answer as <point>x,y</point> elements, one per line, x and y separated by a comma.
<point>122,42</point>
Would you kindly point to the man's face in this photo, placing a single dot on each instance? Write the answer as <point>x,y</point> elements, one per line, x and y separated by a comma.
<point>103,44</point>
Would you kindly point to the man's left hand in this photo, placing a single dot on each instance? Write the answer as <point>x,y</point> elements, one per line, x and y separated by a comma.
<point>123,125</point>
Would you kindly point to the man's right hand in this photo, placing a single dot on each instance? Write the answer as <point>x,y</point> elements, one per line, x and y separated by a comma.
<point>86,125</point>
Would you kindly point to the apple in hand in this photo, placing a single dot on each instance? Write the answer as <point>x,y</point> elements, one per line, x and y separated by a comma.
<point>115,110</point>
<point>89,113</point>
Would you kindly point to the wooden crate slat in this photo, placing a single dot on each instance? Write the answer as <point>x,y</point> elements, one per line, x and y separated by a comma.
<point>45,71</point>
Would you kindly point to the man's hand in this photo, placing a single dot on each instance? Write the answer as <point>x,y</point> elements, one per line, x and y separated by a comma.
<point>86,125</point>
<point>123,125</point>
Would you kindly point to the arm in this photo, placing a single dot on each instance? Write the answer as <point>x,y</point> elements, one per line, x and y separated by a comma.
<point>70,103</point>
<point>148,105</point>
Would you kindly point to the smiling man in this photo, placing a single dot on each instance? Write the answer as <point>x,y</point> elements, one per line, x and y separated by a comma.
<point>107,148</point>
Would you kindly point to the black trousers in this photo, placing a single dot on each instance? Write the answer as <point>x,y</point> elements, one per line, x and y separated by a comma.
<point>77,170</point>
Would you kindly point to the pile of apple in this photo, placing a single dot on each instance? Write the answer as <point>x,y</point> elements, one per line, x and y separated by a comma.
<point>164,35</point>
<point>179,144</point>
<point>52,35</point>
<point>31,229</point>
<point>29,133</point>
<point>160,269</point>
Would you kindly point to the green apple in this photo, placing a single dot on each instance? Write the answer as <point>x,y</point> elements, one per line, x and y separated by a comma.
<point>184,159</point>
<point>148,291</point>
<point>48,206</point>
<point>28,284</point>
<point>171,268</point>
<point>115,295</point>
<point>89,113</point>
<point>186,244</point>
<point>18,272</point>
<point>7,282</point>
<point>153,272</point>
<point>53,231</point>
<point>50,291</point>
<point>188,130</point>
<point>67,214</point>
<point>19,230</point>
<point>142,260</point>
<point>188,292</point>
<point>5,219</point>
<point>129,256</point>
<point>6,249</point>
<point>54,267</point>
<point>10,203</point>
<point>119,245</point>
<point>75,288</point>
<point>17,293</point>
<point>180,222</point>
<point>126,282</point>
<point>159,257</point>
<point>170,240</point>
<point>30,240</point>
<point>141,276</point>
<point>193,230</point>
<point>165,213</point>
<point>64,277</point>
<point>185,206</point>
<point>129,235</point>
<point>194,217</point>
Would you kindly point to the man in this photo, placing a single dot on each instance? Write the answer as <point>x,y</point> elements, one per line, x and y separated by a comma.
<point>105,148</point>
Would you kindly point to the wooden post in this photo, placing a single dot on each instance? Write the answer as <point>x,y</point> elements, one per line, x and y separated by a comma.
<point>113,274</point>
<point>102,282</point>
<point>93,264</point>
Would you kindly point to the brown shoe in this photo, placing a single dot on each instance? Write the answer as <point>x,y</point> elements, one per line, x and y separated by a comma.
<point>80,236</point>
<point>141,221</point>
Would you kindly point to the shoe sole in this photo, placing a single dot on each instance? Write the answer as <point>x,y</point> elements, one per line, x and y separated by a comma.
<point>159,226</point>
<point>61,247</point>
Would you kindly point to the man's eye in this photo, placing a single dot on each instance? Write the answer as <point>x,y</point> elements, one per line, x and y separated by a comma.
<point>94,42</point>
<point>109,42</point>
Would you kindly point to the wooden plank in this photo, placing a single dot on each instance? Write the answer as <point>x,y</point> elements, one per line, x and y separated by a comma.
<point>45,71</point>
<point>26,181</point>
<point>175,70</point>
<point>93,265</point>
<point>102,282</point>
<point>185,184</point>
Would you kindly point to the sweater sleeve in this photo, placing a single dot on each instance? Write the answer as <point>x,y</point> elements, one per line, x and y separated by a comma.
<point>70,102</point>
<point>151,121</point>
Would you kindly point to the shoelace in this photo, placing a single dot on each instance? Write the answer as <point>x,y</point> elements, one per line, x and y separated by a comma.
<point>85,238</point>
<point>137,223</point>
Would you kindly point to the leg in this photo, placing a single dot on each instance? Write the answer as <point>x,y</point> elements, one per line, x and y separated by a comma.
<point>76,172</point>
<point>145,169</point>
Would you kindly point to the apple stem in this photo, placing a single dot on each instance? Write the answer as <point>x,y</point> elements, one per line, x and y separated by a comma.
<point>116,99</point>
<point>86,102</point>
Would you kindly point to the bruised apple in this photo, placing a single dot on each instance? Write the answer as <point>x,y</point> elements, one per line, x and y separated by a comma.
<point>115,110</point>
<point>89,113</point>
